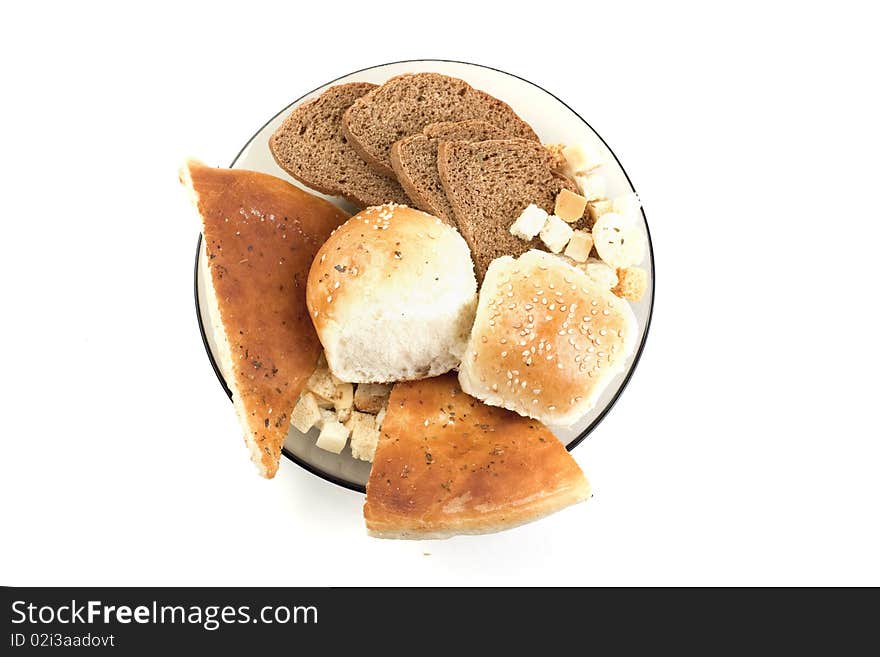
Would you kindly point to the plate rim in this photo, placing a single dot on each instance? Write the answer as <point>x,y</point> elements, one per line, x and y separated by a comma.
<point>327,476</point>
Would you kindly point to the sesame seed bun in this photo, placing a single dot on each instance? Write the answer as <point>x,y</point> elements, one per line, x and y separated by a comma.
<point>546,339</point>
<point>392,295</point>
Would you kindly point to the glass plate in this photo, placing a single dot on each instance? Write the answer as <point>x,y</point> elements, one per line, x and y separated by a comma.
<point>554,122</point>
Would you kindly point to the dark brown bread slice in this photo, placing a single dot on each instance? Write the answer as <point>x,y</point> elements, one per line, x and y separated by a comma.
<point>489,184</point>
<point>407,103</point>
<point>311,147</point>
<point>414,160</point>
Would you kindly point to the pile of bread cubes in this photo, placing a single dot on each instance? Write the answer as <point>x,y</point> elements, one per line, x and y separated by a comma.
<point>616,237</point>
<point>339,410</point>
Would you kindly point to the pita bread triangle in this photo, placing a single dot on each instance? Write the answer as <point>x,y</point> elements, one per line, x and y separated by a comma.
<point>261,234</point>
<point>448,464</point>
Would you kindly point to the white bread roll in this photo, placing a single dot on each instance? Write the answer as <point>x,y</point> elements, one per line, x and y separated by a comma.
<point>392,295</point>
<point>546,340</point>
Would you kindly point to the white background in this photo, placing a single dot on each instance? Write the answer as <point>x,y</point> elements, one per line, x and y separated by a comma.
<point>745,449</point>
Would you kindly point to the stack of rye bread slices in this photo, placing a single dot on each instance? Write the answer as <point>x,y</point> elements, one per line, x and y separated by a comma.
<point>429,141</point>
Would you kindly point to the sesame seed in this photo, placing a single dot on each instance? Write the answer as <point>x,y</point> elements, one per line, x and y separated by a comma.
<point>484,339</point>
<point>551,408</point>
<point>504,355</point>
<point>602,332</point>
<point>552,306</point>
<point>336,285</point>
<point>495,387</point>
<point>330,299</point>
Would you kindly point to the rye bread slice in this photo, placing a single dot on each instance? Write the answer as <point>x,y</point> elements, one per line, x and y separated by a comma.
<point>489,184</point>
<point>407,103</point>
<point>414,160</point>
<point>311,147</point>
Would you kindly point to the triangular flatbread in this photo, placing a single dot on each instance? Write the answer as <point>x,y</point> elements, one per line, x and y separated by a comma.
<point>448,464</point>
<point>261,234</point>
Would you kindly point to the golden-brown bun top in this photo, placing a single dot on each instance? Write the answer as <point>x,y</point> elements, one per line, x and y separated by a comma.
<point>386,252</point>
<point>546,339</point>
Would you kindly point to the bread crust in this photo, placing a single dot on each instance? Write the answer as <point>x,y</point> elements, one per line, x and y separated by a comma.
<point>260,235</point>
<point>447,464</point>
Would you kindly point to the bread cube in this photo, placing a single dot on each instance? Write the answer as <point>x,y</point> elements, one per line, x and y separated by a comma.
<point>364,438</point>
<point>597,208</point>
<point>557,155</point>
<point>322,385</point>
<point>556,233</point>
<point>356,417</point>
<point>600,273</point>
<point>333,437</point>
<point>306,413</point>
<point>529,223</point>
<point>592,186</point>
<point>371,397</point>
<point>579,246</point>
<point>327,415</point>
<point>619,240</point>
<point>627,204</point>
<point>583,157</point>
<point>343,400</point>
<point>569,206</point>
<point>632,283</point>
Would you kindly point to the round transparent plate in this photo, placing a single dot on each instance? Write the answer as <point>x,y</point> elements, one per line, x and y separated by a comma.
<point>554,122</point>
